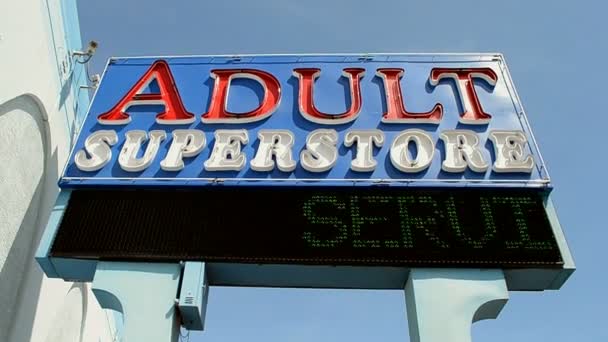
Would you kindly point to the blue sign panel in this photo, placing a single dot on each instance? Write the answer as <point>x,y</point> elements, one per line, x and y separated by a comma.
<point>401,120</point>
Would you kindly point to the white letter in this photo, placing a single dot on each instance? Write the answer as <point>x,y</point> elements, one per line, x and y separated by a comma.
<point>277,143</point>
<point>97,146</point>
<point>461,149</point>
<point>509,150</point>
<point>186,143</point>
<point>226,154</point>
<point>128,155</point>
<point>321,153</point>
<point>366,139</point>
<point>400,156</point>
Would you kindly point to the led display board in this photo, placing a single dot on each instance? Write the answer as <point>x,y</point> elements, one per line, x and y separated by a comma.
<point>372,226</point>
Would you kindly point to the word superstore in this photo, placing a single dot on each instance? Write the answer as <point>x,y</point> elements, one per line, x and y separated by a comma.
<point>462,150</point>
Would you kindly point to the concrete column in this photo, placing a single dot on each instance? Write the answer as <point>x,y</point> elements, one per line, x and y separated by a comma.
<point>442,304</point>
<point>145,294</point>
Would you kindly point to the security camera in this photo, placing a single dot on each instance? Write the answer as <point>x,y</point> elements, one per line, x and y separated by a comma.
<point>92,47</point>
<point>90,50</point>
<point>95,79</point>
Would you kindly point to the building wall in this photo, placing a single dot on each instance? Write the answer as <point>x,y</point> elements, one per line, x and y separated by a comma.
<point>40,105</point>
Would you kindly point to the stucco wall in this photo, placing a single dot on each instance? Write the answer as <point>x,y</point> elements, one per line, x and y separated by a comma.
<point>22,160</point>
<point>40,97</point>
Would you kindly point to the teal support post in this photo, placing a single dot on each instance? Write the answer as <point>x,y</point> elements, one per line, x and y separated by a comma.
<point>145,294</point>
<point>443,303</point>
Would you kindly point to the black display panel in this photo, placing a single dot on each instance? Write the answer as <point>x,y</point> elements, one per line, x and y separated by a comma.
<point>380,226</point>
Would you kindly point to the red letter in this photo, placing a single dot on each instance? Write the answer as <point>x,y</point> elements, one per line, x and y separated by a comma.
<point>473,113</point>
<point>174,114</point>
<point>217,109</point>
<point>395,108</point>
<point>307,78</point>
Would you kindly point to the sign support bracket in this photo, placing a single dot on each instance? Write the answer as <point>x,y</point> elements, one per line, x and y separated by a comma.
<point>443,303</point>
<point>145,293</point>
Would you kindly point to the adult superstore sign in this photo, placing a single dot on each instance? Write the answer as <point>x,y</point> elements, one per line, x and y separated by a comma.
<point>416,120</point>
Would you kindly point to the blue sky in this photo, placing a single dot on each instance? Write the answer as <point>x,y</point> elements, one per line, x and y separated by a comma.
<point>555,50</point>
